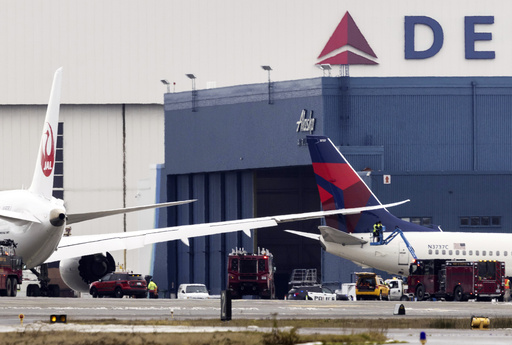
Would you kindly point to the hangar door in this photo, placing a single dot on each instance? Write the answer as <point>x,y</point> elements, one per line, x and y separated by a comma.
<point>283,191</point>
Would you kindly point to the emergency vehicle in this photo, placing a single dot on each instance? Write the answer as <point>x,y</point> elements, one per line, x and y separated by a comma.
<point>457,280</point>
<point>369,285</point>
<point>11,269</point>
<point>251,274</point>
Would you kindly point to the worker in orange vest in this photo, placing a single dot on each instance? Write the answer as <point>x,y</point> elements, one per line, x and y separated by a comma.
<point>506,297</point>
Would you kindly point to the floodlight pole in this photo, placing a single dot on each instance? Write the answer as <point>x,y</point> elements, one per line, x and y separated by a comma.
<point>194,91</point>
<point>270,85</point>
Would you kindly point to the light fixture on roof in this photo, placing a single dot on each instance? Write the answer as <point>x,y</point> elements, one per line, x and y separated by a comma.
<point>325,67</point>
<point>270,84</point>
<point>166,83</point>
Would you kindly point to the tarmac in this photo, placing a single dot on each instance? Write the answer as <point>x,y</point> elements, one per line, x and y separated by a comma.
<point>36,313</point>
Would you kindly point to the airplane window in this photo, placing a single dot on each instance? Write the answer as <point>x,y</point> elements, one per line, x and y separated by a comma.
<point>477,252</point>
<point>505,253</point>
<point>457,252</point>
<point>444,252</point>
<point>450,252</point>
<point>470,252</point>
<point>497,253</point>
<point>437,251</point>
<point>430,252</point>
<point>490,252</point>
<point>463,252</point>
<point>483,252</point>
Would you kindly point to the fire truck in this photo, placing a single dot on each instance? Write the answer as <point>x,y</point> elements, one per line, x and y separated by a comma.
<point>11,269</point>
<point>251,274</point>
<point>456,280</point>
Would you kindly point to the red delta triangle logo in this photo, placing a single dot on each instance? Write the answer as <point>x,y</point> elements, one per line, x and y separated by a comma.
<point>347,34</point>
<point>48,152</point>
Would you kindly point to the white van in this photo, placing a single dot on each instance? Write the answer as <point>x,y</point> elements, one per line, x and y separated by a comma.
<point>193,291</point>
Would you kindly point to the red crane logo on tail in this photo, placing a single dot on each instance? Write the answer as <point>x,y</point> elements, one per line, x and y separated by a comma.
<point>48,152</point>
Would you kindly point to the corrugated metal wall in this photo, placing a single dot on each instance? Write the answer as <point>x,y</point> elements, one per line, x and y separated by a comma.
<point>445,141</point>
<point>222,196</point>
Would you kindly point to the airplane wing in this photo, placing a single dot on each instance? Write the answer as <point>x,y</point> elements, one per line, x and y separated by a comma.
<point>75,246</point>
<point>80,217</point>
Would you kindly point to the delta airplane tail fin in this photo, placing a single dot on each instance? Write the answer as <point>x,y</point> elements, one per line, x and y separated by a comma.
<point>340,187</point>
<point>42,181</point>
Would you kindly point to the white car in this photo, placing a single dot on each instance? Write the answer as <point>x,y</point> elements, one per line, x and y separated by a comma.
<point>311,292</point>
<point>193,291</point>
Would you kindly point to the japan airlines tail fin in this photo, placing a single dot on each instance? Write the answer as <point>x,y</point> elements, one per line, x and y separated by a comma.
<point>340,186</point>
<point>42,181</point>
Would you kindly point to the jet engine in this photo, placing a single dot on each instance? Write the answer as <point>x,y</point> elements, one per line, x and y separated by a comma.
<point>79,272</point>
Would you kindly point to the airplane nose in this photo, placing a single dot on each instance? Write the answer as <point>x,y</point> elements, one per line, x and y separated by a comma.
<point>57,217</point>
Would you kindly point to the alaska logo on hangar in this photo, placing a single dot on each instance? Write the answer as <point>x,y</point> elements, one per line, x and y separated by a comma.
<point>347,34</point>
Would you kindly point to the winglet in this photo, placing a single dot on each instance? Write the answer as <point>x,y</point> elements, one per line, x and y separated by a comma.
<point>42,180</point>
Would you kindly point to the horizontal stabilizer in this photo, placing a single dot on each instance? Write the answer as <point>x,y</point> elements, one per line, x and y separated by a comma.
<point>336,236</point>
<point>305,234</point>
<point>80,217</point>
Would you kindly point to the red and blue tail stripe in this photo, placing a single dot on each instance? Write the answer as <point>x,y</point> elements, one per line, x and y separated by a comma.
<point>340,186</point>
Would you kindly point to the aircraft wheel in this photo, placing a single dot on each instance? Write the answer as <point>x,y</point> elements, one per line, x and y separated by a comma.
<point>420,292</point>
<point>458,294</point>
<point>33,290</point>
<point>54,290</point>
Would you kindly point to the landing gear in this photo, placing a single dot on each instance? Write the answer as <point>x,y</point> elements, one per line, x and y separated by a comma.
<point>44,288</point>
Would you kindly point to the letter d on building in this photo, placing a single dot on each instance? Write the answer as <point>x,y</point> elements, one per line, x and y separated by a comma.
<point>410,26</point>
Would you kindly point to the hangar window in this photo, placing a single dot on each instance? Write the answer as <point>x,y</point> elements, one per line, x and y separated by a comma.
<point>480,221</point>
<point>423,221</point>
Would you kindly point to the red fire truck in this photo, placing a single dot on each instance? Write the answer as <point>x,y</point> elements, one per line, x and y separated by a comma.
<point>456,280</point>
<point>11,269</point>
<point>251,274</point>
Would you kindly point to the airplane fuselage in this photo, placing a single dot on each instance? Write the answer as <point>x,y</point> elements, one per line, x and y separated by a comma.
<point>25,218</point>
<point>395,258</point>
